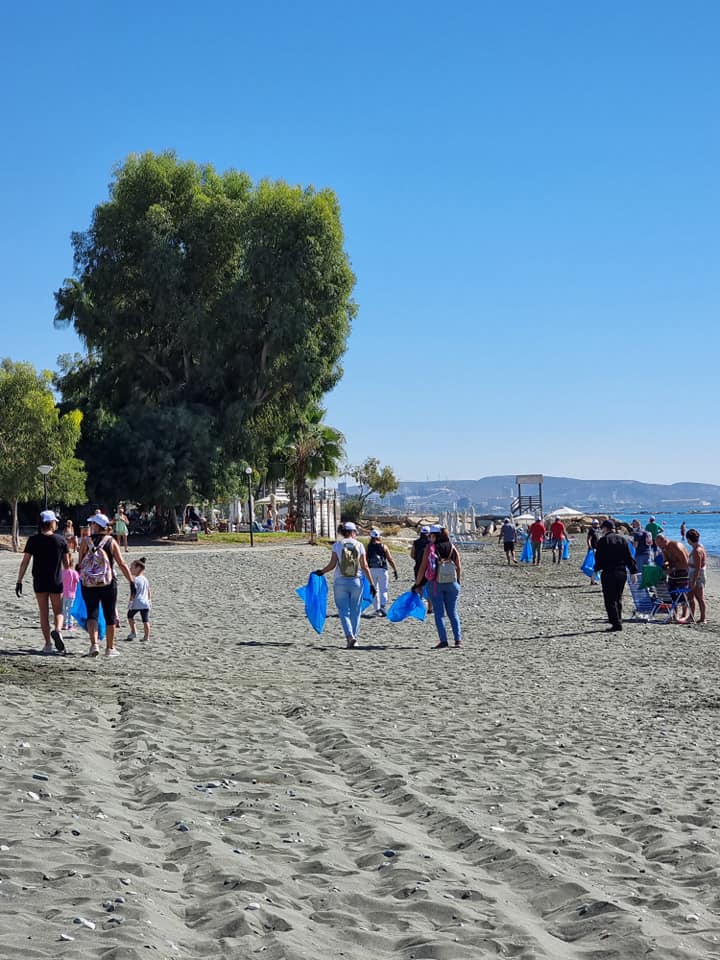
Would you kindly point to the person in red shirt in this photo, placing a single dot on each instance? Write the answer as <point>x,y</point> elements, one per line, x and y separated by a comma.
<point>537,538</point>
<point>557,538</point>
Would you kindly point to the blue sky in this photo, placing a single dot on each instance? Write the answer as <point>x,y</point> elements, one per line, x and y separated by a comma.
<point>529,194</point>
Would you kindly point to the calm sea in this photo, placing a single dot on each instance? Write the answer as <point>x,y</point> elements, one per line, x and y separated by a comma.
<point>708,525</point>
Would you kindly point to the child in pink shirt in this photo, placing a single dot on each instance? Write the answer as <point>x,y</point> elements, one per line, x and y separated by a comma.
<point>70,579</point>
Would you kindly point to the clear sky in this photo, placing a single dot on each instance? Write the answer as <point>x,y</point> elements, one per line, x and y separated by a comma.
<point>529,191</point>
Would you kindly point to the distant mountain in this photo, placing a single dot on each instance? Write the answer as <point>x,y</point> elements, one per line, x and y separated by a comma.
<point>494,494</point>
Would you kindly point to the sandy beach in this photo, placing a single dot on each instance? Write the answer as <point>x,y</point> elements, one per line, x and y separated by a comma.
<point>241,787</point>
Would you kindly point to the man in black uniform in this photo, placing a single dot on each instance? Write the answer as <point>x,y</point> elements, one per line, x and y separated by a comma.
<point>612,561</point>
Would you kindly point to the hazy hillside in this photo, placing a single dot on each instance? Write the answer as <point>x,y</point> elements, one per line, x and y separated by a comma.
<point>617,496</point>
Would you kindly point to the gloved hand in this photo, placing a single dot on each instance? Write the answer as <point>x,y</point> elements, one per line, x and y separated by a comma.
<point>396,574</point>
<point>373,591</point>
<point>18,588</point>
<point>318,573</point>
<point>414,588</point>
<point>133,591</point>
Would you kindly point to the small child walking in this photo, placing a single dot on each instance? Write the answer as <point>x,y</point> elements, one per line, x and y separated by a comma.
<point>70,581</point>
<point>140,601</point>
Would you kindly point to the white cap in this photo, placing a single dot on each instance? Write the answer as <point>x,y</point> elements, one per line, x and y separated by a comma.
<point>47,516</point>
<point>435,528</point>
<point>538,517</point>
<point>506,520</point>
<point>100,519</point>
<point>425,529</point>
<point>596,523</point>
<point>375,533</point>
<point>349,525</point>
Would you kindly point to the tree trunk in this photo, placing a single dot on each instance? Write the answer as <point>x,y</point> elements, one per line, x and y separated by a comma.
<point>15,533</point>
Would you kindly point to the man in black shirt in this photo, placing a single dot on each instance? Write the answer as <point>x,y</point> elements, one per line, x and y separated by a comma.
<point>417,551</point>
<point>612,561</point>
<point>49,552</point>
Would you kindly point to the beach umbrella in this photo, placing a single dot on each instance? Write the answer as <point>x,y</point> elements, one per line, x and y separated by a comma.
<point>564,513</point>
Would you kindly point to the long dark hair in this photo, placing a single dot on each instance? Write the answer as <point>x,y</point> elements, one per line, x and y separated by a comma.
<point>443,546</point>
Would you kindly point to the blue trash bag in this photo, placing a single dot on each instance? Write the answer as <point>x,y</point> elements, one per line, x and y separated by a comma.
<point>588,565</point>
<point>407,605</point>
<point>526,555</point>
<point>565,550</point>
<point>367,597</point>
<point>632,550</point>
<point>78,611</point>
<point>314,596</point>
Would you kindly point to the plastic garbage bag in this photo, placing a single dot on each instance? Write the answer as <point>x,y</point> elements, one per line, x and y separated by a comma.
<point>565,550</point>
<point>526,555</point>
<point>78,611</point>
<point>588,565</point>
<point>367,597</point>
<point>407,605</point>
<point>632,549</point>
<point>314,596</point>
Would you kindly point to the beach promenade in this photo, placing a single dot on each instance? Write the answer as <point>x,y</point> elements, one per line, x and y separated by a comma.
<point>241,787</point>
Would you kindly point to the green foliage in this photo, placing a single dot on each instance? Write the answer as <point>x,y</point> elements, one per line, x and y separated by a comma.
<point>352,508</point>
<point>315,449</point>
<point>214,313</point>
<point>33,432</point>
<point>372,478</point>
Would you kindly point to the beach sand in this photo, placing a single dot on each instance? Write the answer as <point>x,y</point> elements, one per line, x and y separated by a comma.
<point>241,787</point>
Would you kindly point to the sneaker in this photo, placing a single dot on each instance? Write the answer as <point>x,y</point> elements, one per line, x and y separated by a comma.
<point>112,652</point>
<point>131,636</point>
<point>58,641</point>
<point>382,612</point>
<point>441,645</point>
<point>351,641</point>
<point>458,643</point>
<point>94,650</point>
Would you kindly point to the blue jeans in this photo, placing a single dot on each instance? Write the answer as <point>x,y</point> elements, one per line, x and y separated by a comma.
<point>348,600</point>
<point>444,600</point>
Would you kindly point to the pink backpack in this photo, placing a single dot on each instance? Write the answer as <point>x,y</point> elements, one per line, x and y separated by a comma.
<point>95,569</point>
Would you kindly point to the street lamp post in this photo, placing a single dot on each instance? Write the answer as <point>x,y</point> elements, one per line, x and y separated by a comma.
<point>45,469</point>
<point>248,474</point>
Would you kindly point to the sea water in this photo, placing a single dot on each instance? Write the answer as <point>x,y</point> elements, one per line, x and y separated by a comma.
<point>707,524</point>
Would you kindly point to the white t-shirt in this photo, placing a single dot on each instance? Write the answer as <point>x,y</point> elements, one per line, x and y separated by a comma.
<point>337,550</point>
<point>141,600</point>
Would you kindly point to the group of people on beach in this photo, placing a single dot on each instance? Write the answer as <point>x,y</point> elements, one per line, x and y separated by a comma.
<point>56,577</point>
<point>437,575</point>
<point>684,571</point>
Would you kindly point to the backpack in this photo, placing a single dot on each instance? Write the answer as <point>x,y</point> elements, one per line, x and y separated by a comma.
<point>431,566</point>
<point>95,569</point>
<point>447,571</point>
<point>349,559</point>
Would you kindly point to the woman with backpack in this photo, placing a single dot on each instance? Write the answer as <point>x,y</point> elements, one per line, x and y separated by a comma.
<point>98,581</point>
<point>378,558</point>
<point>440,570</point>
<point>347,560</point>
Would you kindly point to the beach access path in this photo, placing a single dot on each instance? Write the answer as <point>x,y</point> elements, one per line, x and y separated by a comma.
<point>241,787</point>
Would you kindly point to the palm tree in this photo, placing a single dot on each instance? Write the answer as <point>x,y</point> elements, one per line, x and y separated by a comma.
<point>315,449</point>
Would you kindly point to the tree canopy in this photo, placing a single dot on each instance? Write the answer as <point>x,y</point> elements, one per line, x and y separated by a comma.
<point>372,478</point>
<point>32,432</point>
<point>215,312</point>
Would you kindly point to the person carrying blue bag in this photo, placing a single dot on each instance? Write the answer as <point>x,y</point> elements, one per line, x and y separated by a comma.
<point>349,561</point>
<point>443,581</point>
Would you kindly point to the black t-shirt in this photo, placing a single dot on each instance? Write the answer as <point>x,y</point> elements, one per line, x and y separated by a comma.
<point>376,556</point>
<point>47,551</point>
<point>418,551</point>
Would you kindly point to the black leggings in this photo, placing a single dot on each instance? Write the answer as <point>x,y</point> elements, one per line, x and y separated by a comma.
<point>106,596</point>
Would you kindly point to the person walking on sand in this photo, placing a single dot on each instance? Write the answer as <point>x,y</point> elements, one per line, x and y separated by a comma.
<point>70,538</point>
<point>417,552</point>
<point>612,561</point>
<point>378,558</point>
<point>443,585</point>
<point>98,582</point>
<point>508,538</point>
<point>49,553</point>
<point>348,560</point>
<point>537,539</point>
<point>558,536</point>
<point>696,574</point>
<point>140,601</point>
<point>120,526</point>
<point>70,580</point>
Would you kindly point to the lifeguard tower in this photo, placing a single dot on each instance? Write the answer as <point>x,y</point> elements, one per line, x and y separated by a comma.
<point>528,503</point>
